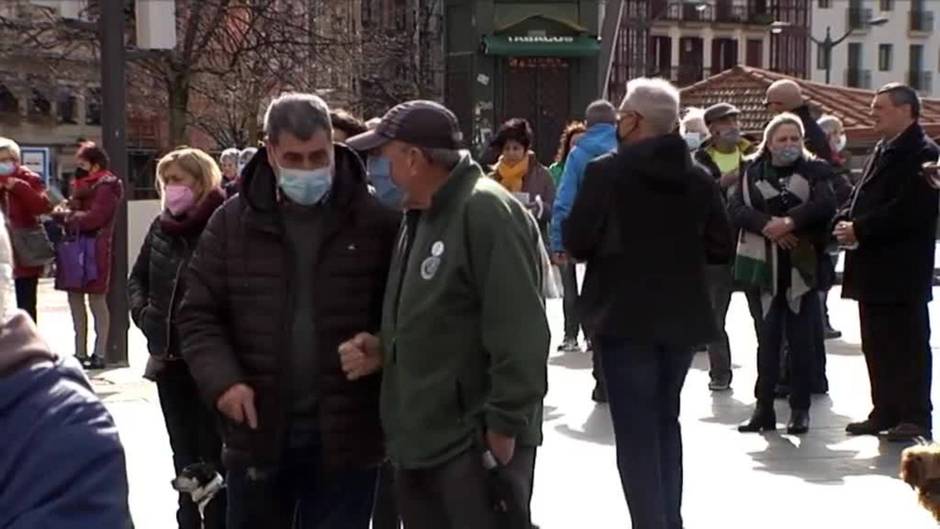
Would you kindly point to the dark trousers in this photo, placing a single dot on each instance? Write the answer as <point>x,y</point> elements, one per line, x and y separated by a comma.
<point>193,439</point>
<point>26,288</point>
<point>385,513</point>
<point>455,495</point>
<point>569,281</point>
<point>720,286</point>
<point>643,385</point>
<point>298,495</point>
<point>799,331</point>
<point>896,343</point>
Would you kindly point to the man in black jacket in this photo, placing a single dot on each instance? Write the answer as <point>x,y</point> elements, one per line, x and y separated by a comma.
<point>645,296</point>
<point>889,228</point>
<point>285,272</point>
<point>787,96</point>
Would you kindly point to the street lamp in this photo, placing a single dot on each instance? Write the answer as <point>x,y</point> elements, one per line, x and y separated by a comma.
<point>827,43</point>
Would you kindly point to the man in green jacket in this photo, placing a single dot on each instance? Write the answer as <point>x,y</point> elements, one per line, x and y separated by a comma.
<point>464,340</point>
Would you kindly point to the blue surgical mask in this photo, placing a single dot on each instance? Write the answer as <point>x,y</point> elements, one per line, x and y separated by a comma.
<point>7,168</point>
<point>787,155</point>
<point>306,187</point>
<point>380,174</point>
<point>693,140</point>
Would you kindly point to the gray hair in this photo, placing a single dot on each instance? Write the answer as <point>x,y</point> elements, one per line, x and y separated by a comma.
<point>6,144</point>
<point>600,111</point>
<point>786,118</point>
<point>900,95</point>
<point>694,121</point>
<point>657,100</point>
<point>830,124</point>
<point>229,155</point>
<point>302,115</point>
<point>446,158</point>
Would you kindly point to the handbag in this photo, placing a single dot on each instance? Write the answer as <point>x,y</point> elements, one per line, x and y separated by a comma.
<point>551,276</point>
<point>31,246</point>
<point>76,262</point>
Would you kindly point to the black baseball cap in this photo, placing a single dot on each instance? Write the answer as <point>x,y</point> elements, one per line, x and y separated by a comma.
<point>420,123</point>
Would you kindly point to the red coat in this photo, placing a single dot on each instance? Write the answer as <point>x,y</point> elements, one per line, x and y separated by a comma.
<point>93,205</point>
<point>23,204</point>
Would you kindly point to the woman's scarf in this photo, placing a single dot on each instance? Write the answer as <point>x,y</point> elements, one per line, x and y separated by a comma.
<point>512,176</point>
<point>756,259</point>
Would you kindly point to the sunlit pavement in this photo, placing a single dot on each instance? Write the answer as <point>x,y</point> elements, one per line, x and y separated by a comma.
<point>820,480</point>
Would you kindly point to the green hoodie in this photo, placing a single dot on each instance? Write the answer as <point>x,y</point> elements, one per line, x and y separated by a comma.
<point>464,329</point>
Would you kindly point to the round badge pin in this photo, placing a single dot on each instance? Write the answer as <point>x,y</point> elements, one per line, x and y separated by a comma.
<point>437,249</point>
<point>429,267</point>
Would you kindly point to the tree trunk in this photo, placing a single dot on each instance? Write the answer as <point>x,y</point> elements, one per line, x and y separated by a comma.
<point>178,98</point>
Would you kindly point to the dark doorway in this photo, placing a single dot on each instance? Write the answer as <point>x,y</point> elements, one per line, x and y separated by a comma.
<point>661,57</point>
<point>690,61</point>
<point>755,53</point>
<point>724,55</point>
<point>538,89</point>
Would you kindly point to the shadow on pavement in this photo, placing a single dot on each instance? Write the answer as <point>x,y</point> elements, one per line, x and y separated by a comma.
<point>596,429</point>
<point>727,410</point>
<point>572,360</point>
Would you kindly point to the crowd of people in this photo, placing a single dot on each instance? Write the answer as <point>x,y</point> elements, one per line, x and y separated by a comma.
<point>349,322</point>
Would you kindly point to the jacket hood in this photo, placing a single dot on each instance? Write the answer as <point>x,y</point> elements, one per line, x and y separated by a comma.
<point>663,162</point>
<point>20,344</point>
<point>259,182</point>
<point>598,139</point>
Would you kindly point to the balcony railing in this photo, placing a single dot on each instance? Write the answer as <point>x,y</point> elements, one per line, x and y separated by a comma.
<point>720,12</point>
<point>686,12</point>
<point>730,14</point>
<point>920,81</point>
<point>921,21</point>
<point>858,18</point>
<point>857,78</point>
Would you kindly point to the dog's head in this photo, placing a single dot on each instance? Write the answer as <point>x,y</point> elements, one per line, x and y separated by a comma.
<point>920,465</point>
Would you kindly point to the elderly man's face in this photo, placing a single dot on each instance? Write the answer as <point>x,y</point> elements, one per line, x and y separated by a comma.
<point>407,163</point>
<point>290,152</point>
<point>890,120</point>
<point>723,125</point>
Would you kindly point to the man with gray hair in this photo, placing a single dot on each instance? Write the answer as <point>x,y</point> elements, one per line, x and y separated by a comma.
<point>285,271</point>
<point>599,138</point>
<point>648,221</point>
<point>464,334</point>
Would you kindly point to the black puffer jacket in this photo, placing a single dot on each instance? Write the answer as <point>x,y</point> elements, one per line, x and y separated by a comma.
<point>154,287</point>
<point>236,313</point>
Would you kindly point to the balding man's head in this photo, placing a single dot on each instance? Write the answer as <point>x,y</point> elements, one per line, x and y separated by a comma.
<point>784,96</point>
<point>600,111</point>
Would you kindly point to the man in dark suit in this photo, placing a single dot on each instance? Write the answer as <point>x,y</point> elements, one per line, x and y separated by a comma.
<point>648,220</point>
<point>889,228</point>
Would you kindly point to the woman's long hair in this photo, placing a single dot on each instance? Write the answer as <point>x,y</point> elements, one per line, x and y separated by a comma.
<point>564,143</point>
<point>780,120</point>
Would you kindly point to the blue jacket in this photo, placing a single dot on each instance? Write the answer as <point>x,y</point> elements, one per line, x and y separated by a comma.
<point>61,462</point>
<point>598,140</point>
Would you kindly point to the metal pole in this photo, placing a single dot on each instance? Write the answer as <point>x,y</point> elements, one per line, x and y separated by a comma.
<point>113,103</point>
<point>828,44</point>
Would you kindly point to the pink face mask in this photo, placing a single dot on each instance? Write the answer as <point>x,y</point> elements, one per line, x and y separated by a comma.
<point>178,199</point>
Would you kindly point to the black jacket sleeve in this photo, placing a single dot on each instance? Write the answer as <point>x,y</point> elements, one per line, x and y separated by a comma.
<point>821,206</point>
<point>138,284</point>
<point>816,139</point>
<point>590,215</point>
<point>719,242</point>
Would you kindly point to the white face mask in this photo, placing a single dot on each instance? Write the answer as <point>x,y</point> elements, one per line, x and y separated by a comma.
<point>840,143</point>
<point>693,140</point>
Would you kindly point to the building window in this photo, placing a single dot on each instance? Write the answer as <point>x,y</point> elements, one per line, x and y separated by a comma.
<point>39,104</point>
<point>885,57</point>
<point>93,107</point>
<point>825,4</point>
<point>8,102</point>
<point>66,103</point>
<point>887,5</point>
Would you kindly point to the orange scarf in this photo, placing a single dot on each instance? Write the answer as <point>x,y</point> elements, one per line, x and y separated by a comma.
<point>512,176</point>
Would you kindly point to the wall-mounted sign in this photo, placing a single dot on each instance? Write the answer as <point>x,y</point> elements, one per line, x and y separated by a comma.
<point>37,160</point>
<point>540,39</point>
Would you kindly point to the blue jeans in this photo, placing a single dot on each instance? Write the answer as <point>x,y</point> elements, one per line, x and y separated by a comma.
<point>298,495</point>
<point>643,385</point>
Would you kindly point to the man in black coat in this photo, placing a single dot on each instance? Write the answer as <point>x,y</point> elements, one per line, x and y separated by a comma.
<point>645,296</point>
<point>889,228</point>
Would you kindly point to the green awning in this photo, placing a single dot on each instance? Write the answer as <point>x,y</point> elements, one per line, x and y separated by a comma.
<point>541,46</point>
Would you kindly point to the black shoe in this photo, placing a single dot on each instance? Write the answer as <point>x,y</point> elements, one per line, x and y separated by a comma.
<point>867,427</point>
<point>599,394</point>
<point>832,334</point>
<point>93,362</point>
<point>908,431</point>
<point>799,422</point>
<point>764,419</point>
